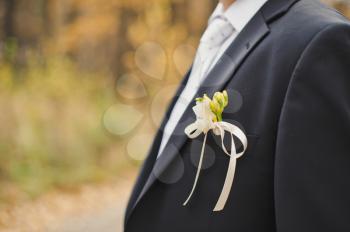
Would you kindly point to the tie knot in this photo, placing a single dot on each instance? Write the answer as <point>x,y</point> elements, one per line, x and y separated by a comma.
<point>217,32</point>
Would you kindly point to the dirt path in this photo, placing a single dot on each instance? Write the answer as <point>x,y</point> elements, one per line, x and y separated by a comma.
<point>94,208</point>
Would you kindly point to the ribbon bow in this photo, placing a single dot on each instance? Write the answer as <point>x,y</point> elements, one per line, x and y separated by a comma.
<point>204,123</point>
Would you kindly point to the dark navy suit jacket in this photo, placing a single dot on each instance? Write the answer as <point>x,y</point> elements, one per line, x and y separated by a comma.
<point>290,68</point>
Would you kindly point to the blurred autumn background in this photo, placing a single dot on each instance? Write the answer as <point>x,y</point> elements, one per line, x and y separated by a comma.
<point>83,86</point>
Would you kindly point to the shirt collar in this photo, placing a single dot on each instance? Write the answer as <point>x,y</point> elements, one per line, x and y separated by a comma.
<point>239,13</point>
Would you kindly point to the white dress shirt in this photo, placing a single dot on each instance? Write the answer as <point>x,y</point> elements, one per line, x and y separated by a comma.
<point>238,15</point>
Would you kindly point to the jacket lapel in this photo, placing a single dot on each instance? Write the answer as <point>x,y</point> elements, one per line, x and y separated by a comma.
<point>153,152</point>
<point>254,32</point>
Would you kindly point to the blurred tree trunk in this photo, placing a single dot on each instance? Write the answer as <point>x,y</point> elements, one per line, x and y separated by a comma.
<point>47,17</point>
<point>126,16</point>
<point>9,30</point>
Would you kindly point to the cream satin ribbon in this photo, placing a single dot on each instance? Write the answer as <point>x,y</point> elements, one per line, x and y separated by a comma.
<point>219,128</point>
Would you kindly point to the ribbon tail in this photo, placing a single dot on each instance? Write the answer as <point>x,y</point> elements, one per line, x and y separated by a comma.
<point>228,180</point>
<point>198,171</point>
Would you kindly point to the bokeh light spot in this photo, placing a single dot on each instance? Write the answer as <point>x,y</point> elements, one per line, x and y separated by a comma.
<point>160,103</point>
<point>138,146</point>
<point>151,59</point>
<point>120,119</point>
<point>183,56</point>
<point>173,171</point>
<point>130,86</point>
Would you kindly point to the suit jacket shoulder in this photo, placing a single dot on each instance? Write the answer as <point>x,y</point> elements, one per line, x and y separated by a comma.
<point>291,34</point>
<point>312,16</point>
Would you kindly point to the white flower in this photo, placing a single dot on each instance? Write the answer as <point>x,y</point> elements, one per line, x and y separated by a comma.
<point>204,115</point>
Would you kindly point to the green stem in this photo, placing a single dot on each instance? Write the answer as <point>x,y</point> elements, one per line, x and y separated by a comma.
<point>219,116</point>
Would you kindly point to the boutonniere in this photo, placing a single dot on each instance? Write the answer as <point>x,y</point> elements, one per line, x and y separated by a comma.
<point>209,118</point>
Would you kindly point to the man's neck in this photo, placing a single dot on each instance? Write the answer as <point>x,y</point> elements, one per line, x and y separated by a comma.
<point>227,3</point>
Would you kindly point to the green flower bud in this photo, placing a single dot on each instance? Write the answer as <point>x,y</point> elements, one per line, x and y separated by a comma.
<point>225,97</point>
<point>214,106</point>
<point>219,97</point>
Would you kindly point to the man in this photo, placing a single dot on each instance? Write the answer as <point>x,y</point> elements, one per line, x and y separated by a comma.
<point>286,67</point>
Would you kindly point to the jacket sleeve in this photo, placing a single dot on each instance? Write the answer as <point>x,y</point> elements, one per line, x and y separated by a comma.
<point>312,159</point>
